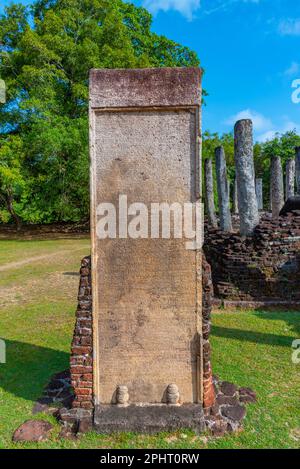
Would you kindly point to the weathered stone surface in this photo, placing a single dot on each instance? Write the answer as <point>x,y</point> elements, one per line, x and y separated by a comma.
<point>146,291</point>
<point>149,419</point>
<point>85,425</point>
<point>209,193</point>
<point>276,186</point>
<point>246,395</point>
<point>39,408</point>
<point>223,190</point>
<point>259,193</point>
<point>67,433</point>
<point>227,400</point>
<point>243,154</point>
<point>227,413</point>
<point>235,198</point>
<point>163,87</point>
<point>297,168</point>
<point>57,392</point>
<point>228,389</point>
<point>290,178</point>
<point>33,430</point>
<point>217,425</point>
<point>76,420</point>
<point>71,418</point>
<point>235,413</point>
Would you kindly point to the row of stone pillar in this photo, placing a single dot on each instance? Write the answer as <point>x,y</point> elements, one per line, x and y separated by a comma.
<point>248,191</point>
<point>245,201</point>
<point>292,174</point>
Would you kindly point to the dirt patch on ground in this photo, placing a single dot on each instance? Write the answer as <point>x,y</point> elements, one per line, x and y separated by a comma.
<point>51,286</point>
<point>46,287</point>
<point>29,260</point>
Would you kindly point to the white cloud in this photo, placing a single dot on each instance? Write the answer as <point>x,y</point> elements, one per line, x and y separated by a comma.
<point>263,126</point>
<point>292,70</point>
<point>289,27</point>
<point>185,7</point>
<point>260,122</point>
<point>269,135</point>
<point>286,127</point>
<point>188,7</point>
<point>223,4</point>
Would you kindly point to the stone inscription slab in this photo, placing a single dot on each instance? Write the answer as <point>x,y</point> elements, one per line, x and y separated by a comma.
<point>146,292</point>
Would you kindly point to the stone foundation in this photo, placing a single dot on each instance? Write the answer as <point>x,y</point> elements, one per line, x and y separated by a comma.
<point>260,270</point>
<point>222,402</point>
<point>82,354</point>
<point>69,394</point>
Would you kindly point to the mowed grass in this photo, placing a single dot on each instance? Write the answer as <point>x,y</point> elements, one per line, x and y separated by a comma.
<point>38,301</point>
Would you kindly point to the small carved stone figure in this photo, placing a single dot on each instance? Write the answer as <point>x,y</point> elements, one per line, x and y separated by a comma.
<point>122,395</point>
<point>173,394</point>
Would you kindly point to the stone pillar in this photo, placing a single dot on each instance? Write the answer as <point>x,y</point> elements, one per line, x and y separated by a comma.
<point>145,146</point>
<point>297,159</point>
<point>223,192</point>
<point>259,193</point>
<point>244,164</point>
<point>290,179</point>
<point>235,198</point>
<point>277,190</point>
<point>209,193</point>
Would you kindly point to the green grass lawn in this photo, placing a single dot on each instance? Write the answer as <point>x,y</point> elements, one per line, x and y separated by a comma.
<point>38,288</point>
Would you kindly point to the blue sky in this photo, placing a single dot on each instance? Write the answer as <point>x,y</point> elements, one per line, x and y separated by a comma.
<point>250,50</point>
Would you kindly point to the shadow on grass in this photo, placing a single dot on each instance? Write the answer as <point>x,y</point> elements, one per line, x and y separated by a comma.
<point>251,336</point>
<point>28,368</point>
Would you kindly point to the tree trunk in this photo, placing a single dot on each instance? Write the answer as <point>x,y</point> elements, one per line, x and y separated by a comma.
<point>10,208</point>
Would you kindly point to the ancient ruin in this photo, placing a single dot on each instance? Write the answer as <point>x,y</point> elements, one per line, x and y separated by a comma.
<point>277,192</point>
<point>223,190</point>
<point>243,154</point>
<point>290,178</point>
<point>141,353</point>
<point>258,264</point>
<point>144,303</point>
<point>209,195</point>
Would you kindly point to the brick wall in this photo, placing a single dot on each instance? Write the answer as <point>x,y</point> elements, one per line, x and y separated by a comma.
<point>264,268</point>
<point>82,345</point>
<point>207,296</point>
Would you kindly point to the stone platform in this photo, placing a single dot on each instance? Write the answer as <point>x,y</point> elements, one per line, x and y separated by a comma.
<point>149,418</point>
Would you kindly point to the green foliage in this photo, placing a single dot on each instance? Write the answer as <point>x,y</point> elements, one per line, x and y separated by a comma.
<point>46,52</point>
<point>12,180</point>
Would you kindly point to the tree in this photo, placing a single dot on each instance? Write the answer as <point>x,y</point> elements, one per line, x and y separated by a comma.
<point>46,52</point>
<point>12,182</point>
